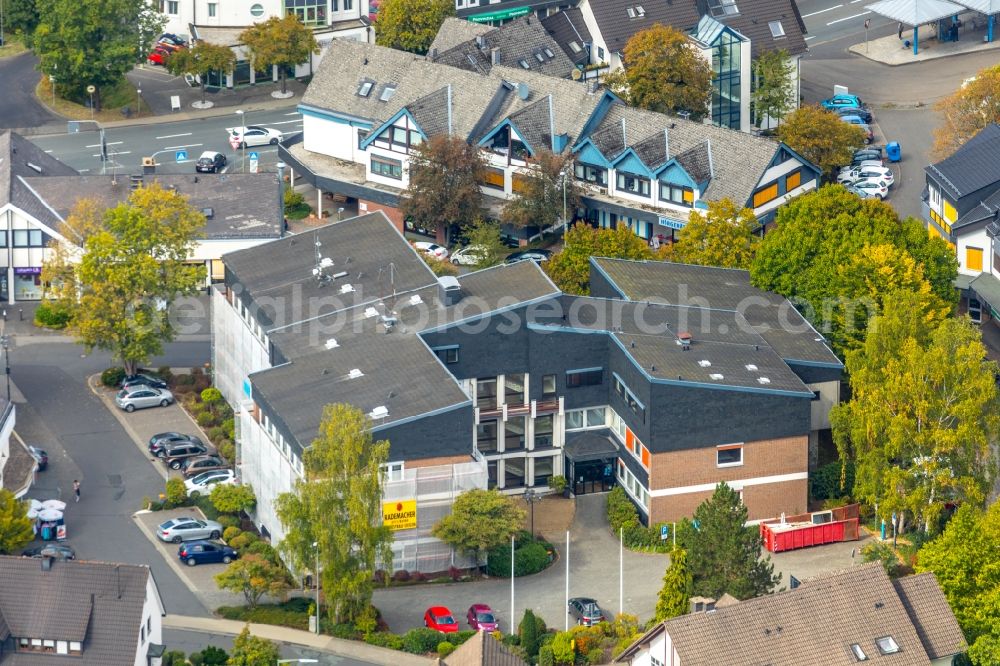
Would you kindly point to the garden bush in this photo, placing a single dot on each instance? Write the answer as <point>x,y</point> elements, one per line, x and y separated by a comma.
<point>229,428</point>
<point>386,640</point>
<point>176,492</point>
<point>881,551</point>
<point>463,636</point>
<point>558,483</point>
<point>226,449</point>
<point>205,419</point>
<point>596,656</point>
<point>216,433</point>
<point>264,549</point>
<point>545,656</point>
<point>231,533</point>
<point>401,576</point>
<point>445,648</point>
<point>173,658</point>
<point>185,380</point>
<point>228,521</point>
<point>165,373</point>
<point>622,515</point>
<point>52,315</point>
<point>824,483</point>
<point>530,557</point>
<point>112,377</point>
<point>421,640</point>
<point>240,542</point>
<point>289,615</point>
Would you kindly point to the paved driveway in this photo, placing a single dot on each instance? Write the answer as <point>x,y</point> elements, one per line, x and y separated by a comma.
<point>18,106</point>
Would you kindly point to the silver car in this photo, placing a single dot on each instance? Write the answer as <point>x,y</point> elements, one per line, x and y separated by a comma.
<point>185,528</point>
<point>132,398</point>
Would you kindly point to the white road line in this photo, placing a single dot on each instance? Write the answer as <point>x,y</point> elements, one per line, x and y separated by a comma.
<point>812,37</point>
<point>116,152</point>
<point>828,9</point>
<point>83,170</point>
<point>293,113</point>
<point>48,151</point>
<point>110,143</point>
<point>286,122</point>
<point>190,145</point>
<point>174,136</point>
<point>848,18</point>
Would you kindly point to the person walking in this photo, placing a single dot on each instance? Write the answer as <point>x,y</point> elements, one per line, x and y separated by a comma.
<point>76,489</point>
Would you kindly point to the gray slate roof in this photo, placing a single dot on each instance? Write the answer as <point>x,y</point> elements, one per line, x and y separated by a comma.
<point>814,624</point>
<point>97,603</point>
<point>455,31</point>
<point>483,650</point>
<point>988,210</point>
<point>239,211</point>
<point>523,39</point>
<point>567,26</point>
<point>769,315</point>
<point>927,607</point>
<point>616,27</point>
<point>971,167</point>
<point>753,21</point>
<point>20,159</point>
<point>736,160</point>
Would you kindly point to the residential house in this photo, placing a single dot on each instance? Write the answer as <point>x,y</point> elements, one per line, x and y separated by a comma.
<point>38,192</point>
<point>840,619</point>
<point>369,107</point>
<point>962,205</point>
<point>497,379</point>
<point>71,611</point>
<point>483,649</point>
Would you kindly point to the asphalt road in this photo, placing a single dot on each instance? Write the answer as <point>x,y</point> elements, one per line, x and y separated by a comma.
<point>128,144</point>
<point>194,641</point>
<point>18,106</point>
<point>827,20</point>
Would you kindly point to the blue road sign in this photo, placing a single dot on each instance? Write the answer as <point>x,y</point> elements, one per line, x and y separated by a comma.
<point>181,155</point>
<point>664,532</point>
<point>253,156</point>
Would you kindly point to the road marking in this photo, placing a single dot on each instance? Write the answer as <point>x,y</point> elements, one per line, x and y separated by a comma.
<point>116,152</point>
<point>109,143</point>
<point>48,151</point>
<point>83,170</point>
<point>293,113</point>
<point>190,145</point>
<point>174,136</point>
<point>848,18</point>
<point>812,37</point>
<point>286,122</point>
<point>828,9</point>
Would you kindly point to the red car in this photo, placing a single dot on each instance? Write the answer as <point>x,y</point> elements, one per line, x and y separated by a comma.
<point>481,618</point>
<point>161,51</point>
<point>440,619</point>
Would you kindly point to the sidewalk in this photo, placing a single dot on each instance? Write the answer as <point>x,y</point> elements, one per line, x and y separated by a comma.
<point>890,50</point>
<point>335,646</point>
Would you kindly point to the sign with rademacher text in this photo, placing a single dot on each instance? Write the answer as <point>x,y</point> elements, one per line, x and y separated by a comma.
<point>400,515</point>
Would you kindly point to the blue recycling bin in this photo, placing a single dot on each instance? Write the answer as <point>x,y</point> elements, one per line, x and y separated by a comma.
<point>893,151</point>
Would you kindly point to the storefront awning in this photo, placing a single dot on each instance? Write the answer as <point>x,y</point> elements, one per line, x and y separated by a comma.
<point>987,288</point>
<point>916,12</point>
<point>962,282</point>
<point>590,445</point>
<point>501,15</point>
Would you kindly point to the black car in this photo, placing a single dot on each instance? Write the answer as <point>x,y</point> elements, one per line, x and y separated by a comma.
<point>528,255</point>
<point>172,39</point>
<point>40,456</point>
<point>210,162</point>
<point>163,440</point>
<point>861,112</point>
<point>143,380</point>
<point>60,551</point>
<point>586,611</point>
<point>174,456</point>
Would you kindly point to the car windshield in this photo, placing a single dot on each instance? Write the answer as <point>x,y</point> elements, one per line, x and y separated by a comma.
<point>446,619</point>
<point>485,617</point>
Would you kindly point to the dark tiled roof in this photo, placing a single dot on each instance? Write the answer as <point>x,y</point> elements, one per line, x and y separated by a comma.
<point>753,21</point>
<point>973,166</point>
<point>97,603</point>
<point>21,158</point>
<point>928,609</point>
<point>431,112</point>
<point>567,26</point>
<point>769,315</point>
<point>483,650</point>
<point>455,31</point>
<point>987,211</point>
<point>616,27</point>
<point>522,40</point>
<point>533,123</point>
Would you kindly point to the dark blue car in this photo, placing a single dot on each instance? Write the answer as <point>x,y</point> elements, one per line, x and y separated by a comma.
<point>205,552</point>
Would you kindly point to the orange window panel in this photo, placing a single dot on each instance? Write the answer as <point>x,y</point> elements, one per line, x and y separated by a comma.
<point>629,440</point>
<point>793,180</point>
<point>769,193</point>
<point>645,457</point>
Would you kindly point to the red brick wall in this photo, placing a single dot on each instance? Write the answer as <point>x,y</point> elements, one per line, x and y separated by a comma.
<point>393,214</point>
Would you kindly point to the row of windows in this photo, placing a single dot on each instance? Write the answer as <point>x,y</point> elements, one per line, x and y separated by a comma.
<point>629,398</point>
<point>581,419</point>
<point>382,166</point>
<point>514,432</point>
<point>49,645</point>
<point>631,442</point>
<point>770,193</point>
<point>24,238</point>
<point>633,485</point>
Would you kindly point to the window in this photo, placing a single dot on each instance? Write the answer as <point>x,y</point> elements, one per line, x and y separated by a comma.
<point>365,89</point>
<point>543,470</point>
<point>62,647</point>
<point>769,193</point>
<point>777,30</point>
<point>387,92</point>
<point>816,396</point>
<point>486,437</point>
<point>682,196</point>
<point>142,634</point>
<point>486,393</point>
<point>3,238</point>
<point>348,5</point>
<point>513,435</point>
<point>629,398</point>
<point>859,654</point>
<point>600,53</point>
<point>633,184</point>
<point>524,63</point>
<point>591,174</point>
<point>394,471</point>
<point>793,180</point>
<point>722,8</point>
<point>575,47</point>
<point>575,419</point>
<point>595,417</point>
<point>543,431</point>
<point>211,9</point>
<point>514,389</point>
<point>548,386</point>
<point>632,485</point>
<point>587,377</point>
<point>974,258</point>
<point>729,456</point>
<point>887,645</point>
<point>975,311</point>
<point>448,355</point>
<point>653,661</point>
<point>171,6</point>
<point>493,178</point>
<point>35,238</point>
<point>20,237</point>
<point>513,472</point>
<point>255,10</point>
<point>382,166</point>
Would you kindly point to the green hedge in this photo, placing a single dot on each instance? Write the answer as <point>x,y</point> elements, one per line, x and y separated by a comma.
<point>824,483</point>
<point>530,557</point>
<point>112,377</point>
<point>622,515</point>
<point>51,315</point>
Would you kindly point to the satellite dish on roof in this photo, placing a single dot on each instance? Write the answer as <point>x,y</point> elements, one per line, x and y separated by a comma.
<point>575,74</point>
<point>522,91</point>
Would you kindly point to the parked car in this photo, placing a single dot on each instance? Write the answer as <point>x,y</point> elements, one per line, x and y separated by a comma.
<point>60,551</point>
<point>528,255</point>
<point>198,464</point>
<point>255,135</point>
<point>143,380</point>
<point>205,552</point>
<point>186,528</point>
<point>162,440</point>
<point>838,101</point>
<point>855,120</point>
<point>203,483</point>
<point>862,112</point>
<point>482,618</point>
<point>470,255</point>
<point>440,619</point>
<point>432,249</point>
<point>586,611</point>
<point>172,39</point>
<point>40,456</point>
<point>866,173</point>
<point>174,456</point>
<point>161,52</point>
<point>868,189</point>
<point>132,398</point>
<point>210,162</point>
<point>861,164</point>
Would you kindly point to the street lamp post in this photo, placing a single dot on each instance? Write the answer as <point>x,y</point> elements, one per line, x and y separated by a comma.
<point>5,341</point>
<point>243,140</point>
<point>316,546</point>
<point>530,496</point>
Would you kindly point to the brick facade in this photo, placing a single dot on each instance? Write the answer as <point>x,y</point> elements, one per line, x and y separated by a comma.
<point>394,214</point>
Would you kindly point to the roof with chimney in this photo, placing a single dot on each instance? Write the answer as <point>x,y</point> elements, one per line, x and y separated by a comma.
<point>618,20</point>
<point>841,618</point>
<point>570,31</point>
<point>97,604</point>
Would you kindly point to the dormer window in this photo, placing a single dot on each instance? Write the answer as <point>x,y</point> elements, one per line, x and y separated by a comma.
<point>640,10</point>
<point>49,646</point>
<point>630,11</point>
<point>365,88</point>
<point>548,52</point>
<point>723,8</point>
<point>633,184</point>
<point>674,194</point>
<point>524,63</point>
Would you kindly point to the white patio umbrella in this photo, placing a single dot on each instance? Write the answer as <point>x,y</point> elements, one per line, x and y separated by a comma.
<point>50,515</point>
<point>58,505</point>
<point>35,504</point>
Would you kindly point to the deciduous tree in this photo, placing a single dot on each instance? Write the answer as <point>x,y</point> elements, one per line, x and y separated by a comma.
<point>21,16</point>
<point>480,520</point>
<point>570,268</point>
<point>774,93</point>
<point>338,506</point>
<point>967,111</point>
<point>544,191</point>
<point>123,268</point>
<point>15,526</point>
<point>200,60</point>
<point>233,498</point>
<point>677,584</point>
<point>253,576</point>
<point>724,553</point>
<point>93,43</point>
<point>411,25</point>
<point>250,650</point>
<point>664,73</point>
<point>722,236</point>
<point>279,42</point>
<point>821,137</point>
<point>443,192</point>
<point>485,236</point>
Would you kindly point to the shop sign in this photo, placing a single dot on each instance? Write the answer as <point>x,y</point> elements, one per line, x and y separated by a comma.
<point>500,15</point>
<point>400,515</point>
<point>671,224</point>
<point>28,270</point>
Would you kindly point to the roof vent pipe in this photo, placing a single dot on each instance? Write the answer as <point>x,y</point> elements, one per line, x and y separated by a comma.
<point>450,290</point>
<point>684,340</point>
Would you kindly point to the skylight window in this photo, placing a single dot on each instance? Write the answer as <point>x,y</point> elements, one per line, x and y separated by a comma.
<point>640,10</point>
<point>387,92</point>
<point>524,63</point>
<point>887,645</point>
<point>763,381</point>
<point>347,288</point>
<point>370,312</point>
<point>416,300</point>
<point>379,412</point>
<point>332,344</point>
<point>548,52</point>
<point>716,376</point>
<point>365,88</point>
<point>723,8</point>
<point>859,654</point>
<point>539,57</point>
<point>777,30</point>
<point>355,373</point>
<point>751,367</point>
<point>705,363</point>
<point>630,11</point>
<point>574,47</point>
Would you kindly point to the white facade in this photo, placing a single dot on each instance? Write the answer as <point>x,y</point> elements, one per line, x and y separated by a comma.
<point>5,432</point>
<point>22,254</point>
<point>151,627</point>
<point>182,14</point>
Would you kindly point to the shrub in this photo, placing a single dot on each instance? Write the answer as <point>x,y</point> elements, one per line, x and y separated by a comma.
<point>558,483</point>
<point>231,533</point>
<point>176,492</point>
<point>112,377</point>
<point>229,428</point>
<point>462,636</point>
<point>185,380</point>
<point>386,640</point>
<point>454,573</point>
<point>418,576</point>
<point>562,648</point>
<point>421,640</point>
<point>264,549</point>
<point>596,656</point>
<point>444,649</point>
<point>195,659</point>
<point>214,656</point>
<point>201,383</point>
<point>197,371</point>
<point>401,576</point>
<point>216,433</point>
<point>529,558</point>
<point>621,512</point>
<point>226,449</point>
<point>881,551</point>
<point>379,576</point>
<point>545,656</point>
<point>240,542</point>
<point>283,615</point>
<point>173,658</point>
<point>51,314</point>
<point>528,631</point>
<point>440,266</point>
<point>228,521</point>
<point>211,396</point>
<point>233,499</point>
<point>205,419</point>
<point>293,200</point>
<point>166,375</point>
<point>825,482</point>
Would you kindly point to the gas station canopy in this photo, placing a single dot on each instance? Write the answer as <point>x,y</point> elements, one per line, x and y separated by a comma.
<point>988,7</point>
<point>920,12</point>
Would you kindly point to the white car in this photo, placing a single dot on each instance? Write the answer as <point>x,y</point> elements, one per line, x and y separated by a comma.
<point>868,189</point>
<point>866,173</point>
<point>469,255</point>
<point>254,135</point>
<point>863,163</point>
<point>203,483</point>
<point>433,249</point>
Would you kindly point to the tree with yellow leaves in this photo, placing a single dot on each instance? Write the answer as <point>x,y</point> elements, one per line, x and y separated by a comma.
<point>722,236</point>
<point>821,137</point>
<point>279,42</point>
<point>968,111</point>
